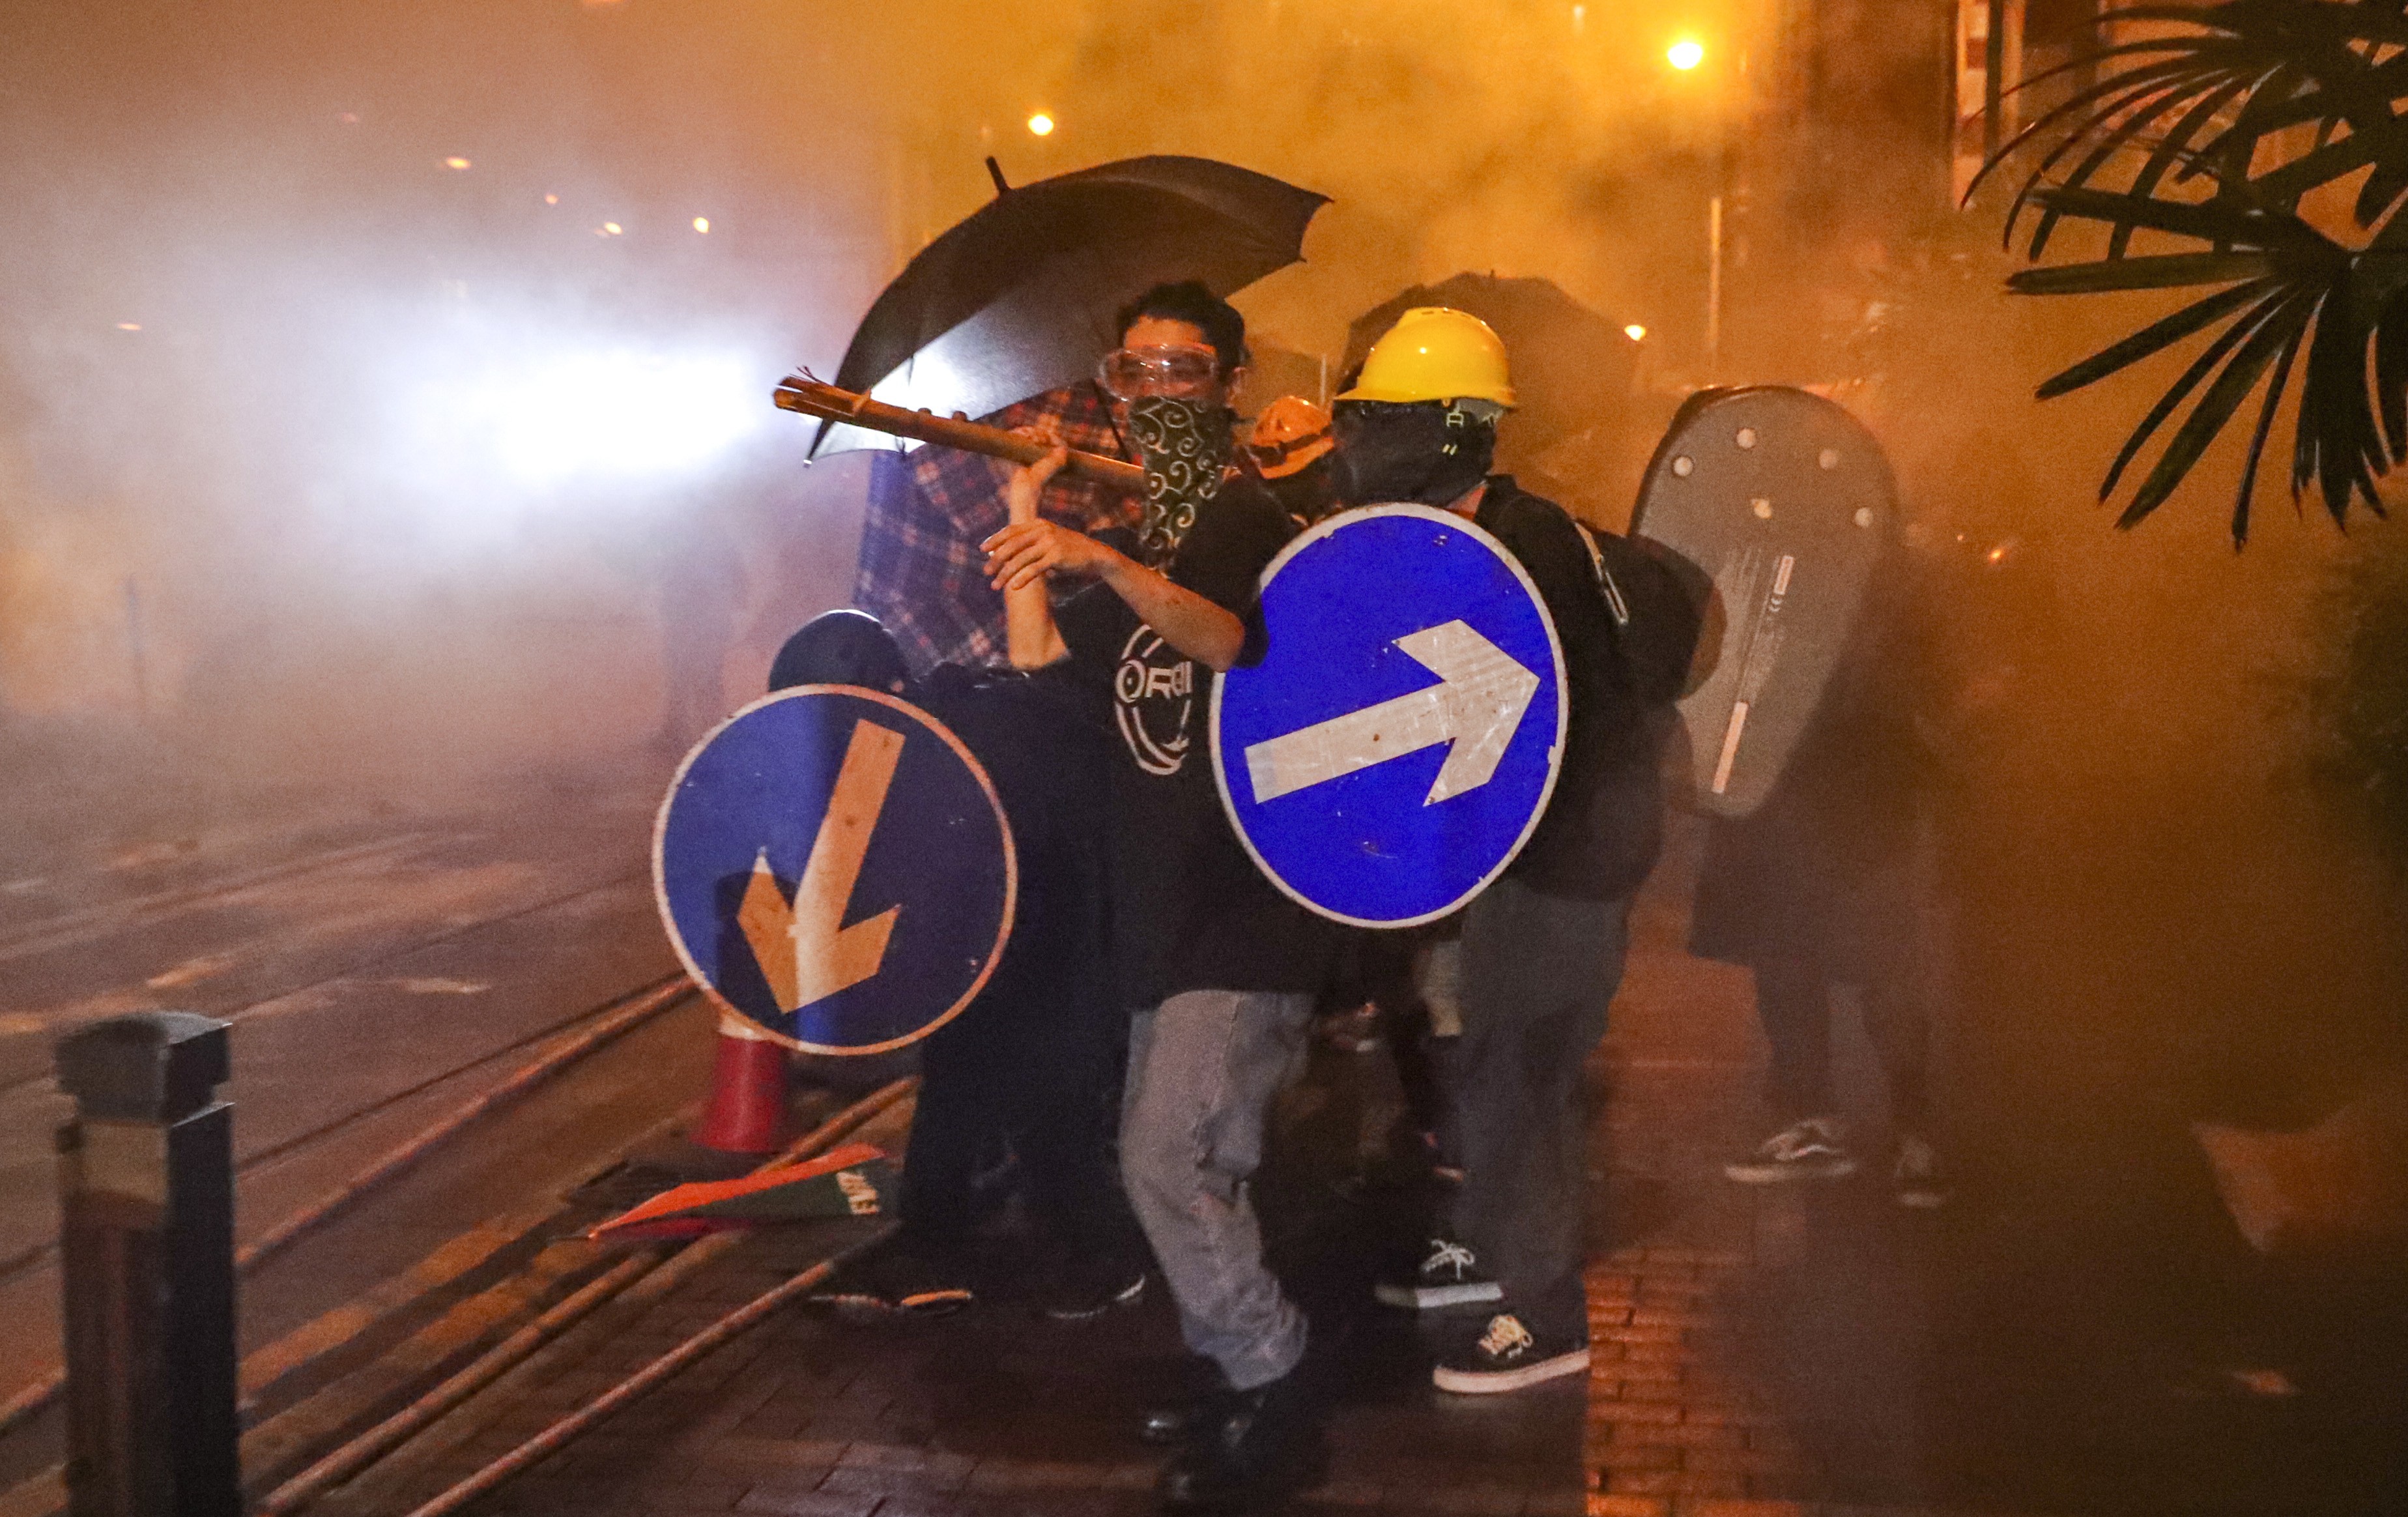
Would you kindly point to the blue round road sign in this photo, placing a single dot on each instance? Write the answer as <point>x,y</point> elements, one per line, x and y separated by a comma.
<point>1395,748</point>
<point>835,866</point>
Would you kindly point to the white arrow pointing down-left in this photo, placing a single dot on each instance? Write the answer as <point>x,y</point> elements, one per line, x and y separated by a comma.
<point>1476,705</point>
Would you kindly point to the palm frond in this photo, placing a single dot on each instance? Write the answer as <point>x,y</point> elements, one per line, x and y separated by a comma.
<point>2153,338</point>
<point>2278,328</point>
<point>2202,115</point>
<point>2170,401</point>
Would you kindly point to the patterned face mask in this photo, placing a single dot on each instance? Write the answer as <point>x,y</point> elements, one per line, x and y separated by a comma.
<point>1183,446</point>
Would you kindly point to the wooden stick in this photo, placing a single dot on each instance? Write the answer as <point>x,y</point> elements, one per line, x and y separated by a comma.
<point>812,398</point>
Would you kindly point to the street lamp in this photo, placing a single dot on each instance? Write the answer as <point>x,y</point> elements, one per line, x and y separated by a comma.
<point>1041,126</point>
<point>1685,54</point>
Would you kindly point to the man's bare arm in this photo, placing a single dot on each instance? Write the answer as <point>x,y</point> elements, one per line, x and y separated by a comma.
<point>1031,640</point>
<point>1021,556</point>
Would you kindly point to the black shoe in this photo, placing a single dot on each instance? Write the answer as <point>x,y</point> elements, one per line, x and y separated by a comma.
<point>1814,1149</point>
<point>1448,1276</point>
<point>1169,1424</point>
<point>1257,1446</point>
<point>1917,1177</point>
<point>1508,1357</point>
<point>1088,1285</point>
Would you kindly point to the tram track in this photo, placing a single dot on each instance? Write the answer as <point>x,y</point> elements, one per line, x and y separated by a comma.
<point>602,1024</point>
<point>85,924</point>
<point>344,970</point>
<point>17,1263</point>
<point>298,1450</point>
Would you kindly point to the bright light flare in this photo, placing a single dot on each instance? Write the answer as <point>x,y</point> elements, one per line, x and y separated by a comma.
<point>1685,54</point>
<point>1634,332</point>
<point>129,327</point>
<point>456,162</point>
<point>609,414</point>
<point>609,229</point>
<point>702,223</point>
<point>1041,126</point>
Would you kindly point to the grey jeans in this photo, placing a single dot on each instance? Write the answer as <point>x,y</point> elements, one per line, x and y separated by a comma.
<point>1203,1068</point>
<point>1534,974</point>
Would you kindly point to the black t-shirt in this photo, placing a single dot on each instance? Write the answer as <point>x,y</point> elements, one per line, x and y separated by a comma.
<point>1190,910</point>
<point>1599,781</point>
<point>1035,737</point>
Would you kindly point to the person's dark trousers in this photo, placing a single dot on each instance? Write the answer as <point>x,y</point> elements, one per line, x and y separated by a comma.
<point>1536,973</point>
<point>1793,1002</point>
<point>1040,1074</point>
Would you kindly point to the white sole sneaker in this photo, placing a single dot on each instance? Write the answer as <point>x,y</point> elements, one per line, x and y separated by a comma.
<point>1432,1298</point>
<point>1775,1174</point>
<point>1496,1382</point>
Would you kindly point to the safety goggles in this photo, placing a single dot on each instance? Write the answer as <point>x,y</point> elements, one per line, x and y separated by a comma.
<point>1172,373</point>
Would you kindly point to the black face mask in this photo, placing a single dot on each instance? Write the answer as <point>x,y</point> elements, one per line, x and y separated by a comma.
<point>1429,453</point>
<point>1183,446</point>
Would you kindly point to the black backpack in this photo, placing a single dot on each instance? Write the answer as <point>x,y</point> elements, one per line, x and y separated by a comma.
<point>1656,616</point>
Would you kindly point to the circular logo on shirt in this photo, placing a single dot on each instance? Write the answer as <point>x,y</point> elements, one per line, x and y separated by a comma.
<point>1153,701</point>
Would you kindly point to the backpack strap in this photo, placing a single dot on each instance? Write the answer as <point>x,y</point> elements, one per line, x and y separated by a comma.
<point>1614,603</point>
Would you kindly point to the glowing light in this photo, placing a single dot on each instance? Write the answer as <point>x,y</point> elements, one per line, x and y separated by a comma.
<point>129,327</point>
<point>456,163</point>
<point>552,200</point>
<point>1685,54</point>
<point>1041,126</point>
<point>613,412</point>
<point>1634,332</point>
<point>702,223</point>
<point>611,229</point>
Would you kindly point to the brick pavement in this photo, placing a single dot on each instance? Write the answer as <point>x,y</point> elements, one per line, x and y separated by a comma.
<point>1757,1354</point>
<point>1747,1359</point>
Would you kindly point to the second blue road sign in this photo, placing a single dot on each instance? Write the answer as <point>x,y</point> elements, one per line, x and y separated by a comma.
<point>834,865</point>
<point>1399,740</point>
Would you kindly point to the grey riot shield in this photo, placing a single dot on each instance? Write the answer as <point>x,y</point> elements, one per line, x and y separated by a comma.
<point>1784,501</point>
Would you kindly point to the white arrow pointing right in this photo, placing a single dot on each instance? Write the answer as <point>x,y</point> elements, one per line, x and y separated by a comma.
<point>1477,705</point>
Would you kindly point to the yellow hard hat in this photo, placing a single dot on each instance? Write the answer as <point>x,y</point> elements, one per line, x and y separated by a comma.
<point>1289,435</point>
<point>1435,353</point>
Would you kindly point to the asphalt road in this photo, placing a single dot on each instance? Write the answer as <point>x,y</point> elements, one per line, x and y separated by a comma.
<point>379,971</point>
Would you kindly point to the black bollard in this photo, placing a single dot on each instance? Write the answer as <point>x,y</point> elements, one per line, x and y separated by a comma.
<point>146,1211</point>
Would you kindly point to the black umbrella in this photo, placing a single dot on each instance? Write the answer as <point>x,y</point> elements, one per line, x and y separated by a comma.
<point>1571,366</point>
<point>1020,298</point>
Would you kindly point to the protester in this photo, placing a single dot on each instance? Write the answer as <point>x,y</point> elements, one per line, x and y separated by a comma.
<point>1029,1068</point>
<point>1539,952</point>
<point>1291,449</point>
<point>1824,885</point>
<point>1219,967</point>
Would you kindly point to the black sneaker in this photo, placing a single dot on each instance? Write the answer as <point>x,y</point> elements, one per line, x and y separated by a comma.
<point>1808,1150</point>
<point>1506,1357</point>
<point>1448,1276</point>
<point>1084,1286</point>
<point>1916,1177</point>
<point>1253,1448</point>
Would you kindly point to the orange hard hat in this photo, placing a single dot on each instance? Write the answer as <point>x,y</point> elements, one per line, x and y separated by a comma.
<point>1289,435</point>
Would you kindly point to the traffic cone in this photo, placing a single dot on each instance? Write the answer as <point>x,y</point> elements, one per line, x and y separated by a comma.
<point>747,1113</point>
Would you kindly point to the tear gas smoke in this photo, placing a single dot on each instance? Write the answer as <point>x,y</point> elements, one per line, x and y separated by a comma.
<point>416,467</point>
